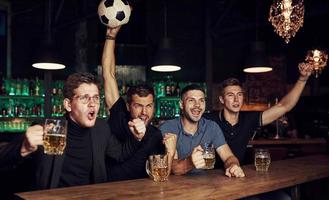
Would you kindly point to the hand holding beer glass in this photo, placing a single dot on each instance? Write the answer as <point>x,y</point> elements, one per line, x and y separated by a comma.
<point>209,155</point>
<point>157,167</point>
<point>54,138</point>
<point>262,160</point>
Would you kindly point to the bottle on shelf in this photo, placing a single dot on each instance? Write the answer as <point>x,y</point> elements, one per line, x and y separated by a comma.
<point>18,87</point>
<point>2,87</point>
<point>37,87</point>
<point>25,87</point>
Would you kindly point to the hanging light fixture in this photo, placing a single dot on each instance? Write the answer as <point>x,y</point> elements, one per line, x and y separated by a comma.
<point>318,59</point>
<point>257,61</point>
<point>287,16</point>
<point>165,60</point>
<point>47,57</point>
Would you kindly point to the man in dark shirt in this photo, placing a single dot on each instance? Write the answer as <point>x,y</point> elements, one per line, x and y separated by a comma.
<point>132,121</point>
<point>239,126</point>
<point>89,142</point>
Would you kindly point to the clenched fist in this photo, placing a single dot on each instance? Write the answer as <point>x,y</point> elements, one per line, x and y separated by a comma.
<point>234,171</point>
<point>137,128</point>
<point>197,158</point>
<point>170,140</point>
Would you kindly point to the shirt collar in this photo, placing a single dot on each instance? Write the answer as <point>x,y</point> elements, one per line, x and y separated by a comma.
<point>201,126</point>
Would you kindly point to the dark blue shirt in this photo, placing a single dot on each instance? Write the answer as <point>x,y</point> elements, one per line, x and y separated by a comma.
<point>238,135</point>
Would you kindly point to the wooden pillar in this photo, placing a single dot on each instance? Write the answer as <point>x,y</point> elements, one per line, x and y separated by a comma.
<point>208,57</point>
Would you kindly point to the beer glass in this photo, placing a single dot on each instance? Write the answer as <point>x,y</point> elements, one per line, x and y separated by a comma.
<point>262,160</point>
<point>209,155</point>
<point>157,167</point>
<point>54,136</point>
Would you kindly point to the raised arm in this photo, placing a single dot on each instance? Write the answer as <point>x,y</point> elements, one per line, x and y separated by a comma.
<point>108,64</point>
<point>291,99</point>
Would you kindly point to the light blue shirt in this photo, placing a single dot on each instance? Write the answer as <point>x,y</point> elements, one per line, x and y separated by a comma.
<point>208,132</point>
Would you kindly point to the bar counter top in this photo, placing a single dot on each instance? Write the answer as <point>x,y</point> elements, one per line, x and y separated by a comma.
<point>211,184</point>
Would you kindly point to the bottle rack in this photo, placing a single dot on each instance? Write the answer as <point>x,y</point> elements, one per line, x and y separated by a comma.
<point>22,101</point>
<point>167,94</point>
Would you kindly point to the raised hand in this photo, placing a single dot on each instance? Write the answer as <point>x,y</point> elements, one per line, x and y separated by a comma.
<point>305,70</point>
<point>137,128</point>
<point>170,141</point>
<point>113,31</point>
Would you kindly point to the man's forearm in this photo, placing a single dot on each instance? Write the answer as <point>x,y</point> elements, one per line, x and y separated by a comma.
<point>290,100</point>
<point>180,167</point>
<point>232,160</point>
<point>110,82</point>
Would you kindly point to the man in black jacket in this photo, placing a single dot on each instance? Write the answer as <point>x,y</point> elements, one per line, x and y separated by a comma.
<point>89,142</point>
<point>132,121</point>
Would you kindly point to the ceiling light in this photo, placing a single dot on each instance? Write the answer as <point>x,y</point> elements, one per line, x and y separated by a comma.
<point>257,61</point>
<point>287,16</point>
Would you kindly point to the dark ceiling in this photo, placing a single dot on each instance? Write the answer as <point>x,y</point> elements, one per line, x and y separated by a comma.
<point>231,28</point>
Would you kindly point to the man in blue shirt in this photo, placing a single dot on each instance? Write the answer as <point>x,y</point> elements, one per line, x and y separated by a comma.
<point>192,130</point>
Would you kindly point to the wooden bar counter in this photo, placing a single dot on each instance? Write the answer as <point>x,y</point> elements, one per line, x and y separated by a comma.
<point>211,184</point>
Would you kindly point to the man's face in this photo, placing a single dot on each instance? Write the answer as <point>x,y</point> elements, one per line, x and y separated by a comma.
<point>142,108</point>
<point>84,106</point>
<point>232,98</point>
<point>193,105</point>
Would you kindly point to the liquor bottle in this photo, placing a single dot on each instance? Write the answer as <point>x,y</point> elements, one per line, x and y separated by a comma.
<point>37,86</point>
<point>177,92</point>
<point>18,90</point>
<point>2,87</point>
<point>25,87</point>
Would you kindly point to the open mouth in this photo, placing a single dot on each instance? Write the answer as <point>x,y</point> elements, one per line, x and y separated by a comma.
<point>143,117</point>
<point>196,112</point>
<point>91,115</point>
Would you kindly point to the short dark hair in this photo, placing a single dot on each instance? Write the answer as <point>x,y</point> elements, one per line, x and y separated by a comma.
<point>142,90</point>
<point>191,87</point>
<point>75,80</point>
<point>228,82</point>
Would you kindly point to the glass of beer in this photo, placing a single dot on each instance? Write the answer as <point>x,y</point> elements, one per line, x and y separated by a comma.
<point>157,167</point>
<point>262,160</point>
<point>209,155</point>
<point>54,137</point>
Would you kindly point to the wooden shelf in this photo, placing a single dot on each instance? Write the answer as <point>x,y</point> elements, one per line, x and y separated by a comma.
<point>254,107</point>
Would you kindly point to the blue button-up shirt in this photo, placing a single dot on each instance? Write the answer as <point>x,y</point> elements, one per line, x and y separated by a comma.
<point>208,132</point>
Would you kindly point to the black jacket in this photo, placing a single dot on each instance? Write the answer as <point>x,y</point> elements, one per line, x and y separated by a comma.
<point>47,168</point>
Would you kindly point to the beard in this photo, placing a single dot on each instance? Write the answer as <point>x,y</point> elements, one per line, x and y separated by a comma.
<point>190,118</point>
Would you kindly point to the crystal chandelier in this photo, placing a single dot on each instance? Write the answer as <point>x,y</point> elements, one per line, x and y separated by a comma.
<point>318,60</point>
<point>287,16</point>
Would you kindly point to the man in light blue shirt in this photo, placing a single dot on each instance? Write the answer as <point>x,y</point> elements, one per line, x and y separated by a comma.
<point>192,130</point>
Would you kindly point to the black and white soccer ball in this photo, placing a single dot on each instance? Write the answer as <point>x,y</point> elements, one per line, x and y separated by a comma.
<point>113,13</point>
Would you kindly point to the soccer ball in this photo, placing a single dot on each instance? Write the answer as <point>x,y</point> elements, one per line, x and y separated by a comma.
<point>113,13</point>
